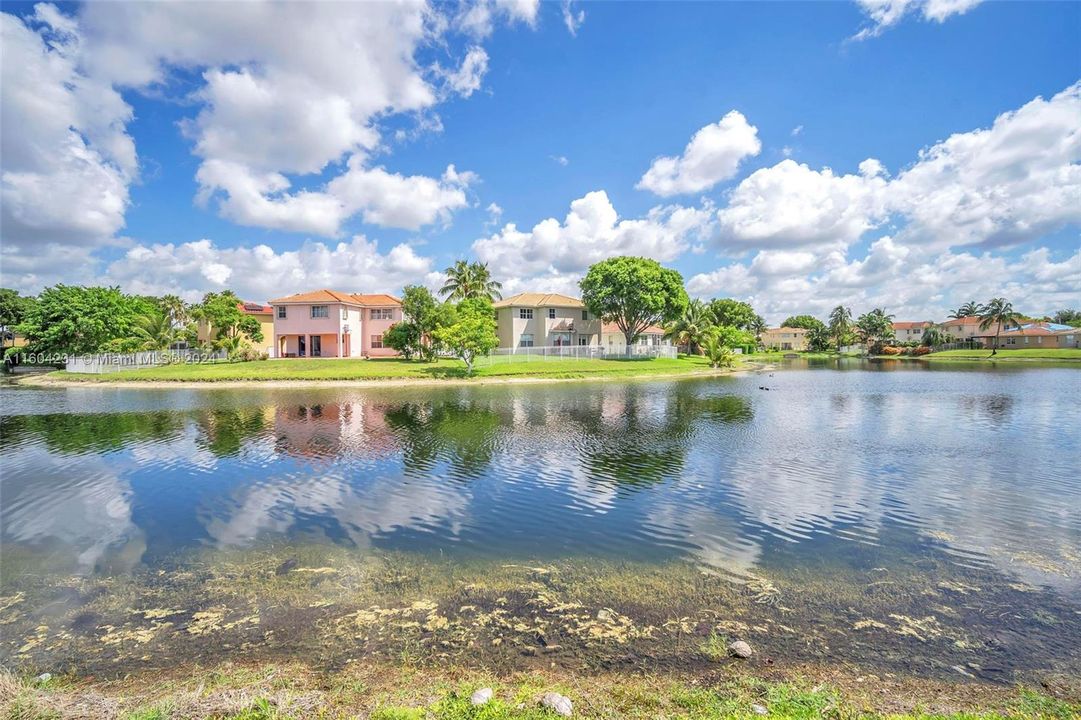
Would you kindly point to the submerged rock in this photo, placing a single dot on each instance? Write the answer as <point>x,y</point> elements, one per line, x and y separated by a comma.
<point>559,704</point>
<point>481,697</point>
<point>740,649</point>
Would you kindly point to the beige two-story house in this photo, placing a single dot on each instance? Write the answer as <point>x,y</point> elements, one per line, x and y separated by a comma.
<point>545,319</point>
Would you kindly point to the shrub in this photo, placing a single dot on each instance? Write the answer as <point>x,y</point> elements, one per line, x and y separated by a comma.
<point>889,350</point>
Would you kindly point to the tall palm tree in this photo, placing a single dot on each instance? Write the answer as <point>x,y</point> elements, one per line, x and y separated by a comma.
<point>999,312</point>
<point>470,280</point>
<point>691,328</point>
<point>177,310</point>
<point>155,330</point>
<point>483,284</point>
<point>969,309</point>
<point>758,326</point>
<point>840,324</point>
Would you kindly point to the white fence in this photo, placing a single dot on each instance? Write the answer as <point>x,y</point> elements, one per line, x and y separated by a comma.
<point>576,352</point>
<point>101,363</point>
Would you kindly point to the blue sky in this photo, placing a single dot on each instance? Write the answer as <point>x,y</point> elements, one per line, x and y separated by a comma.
<point>911,155</point>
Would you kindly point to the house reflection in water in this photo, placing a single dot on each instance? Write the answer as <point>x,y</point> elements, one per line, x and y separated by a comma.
<point>333,429</point>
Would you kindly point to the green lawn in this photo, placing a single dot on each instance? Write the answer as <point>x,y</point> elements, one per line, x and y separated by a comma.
<point>392,368</point>
<point>1067,354</point>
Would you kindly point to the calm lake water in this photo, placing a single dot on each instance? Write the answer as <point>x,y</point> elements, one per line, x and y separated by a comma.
<point>840,467</point>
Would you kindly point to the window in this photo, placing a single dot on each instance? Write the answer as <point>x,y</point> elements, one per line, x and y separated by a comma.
<point>320,311</point>
<point>525,313</point>
<point>551,313</point>
<point>345,314</point>
<point>583,341</point>
<point>377,342</point>
<point>382,314</point>
<point>281,312</point>
<point>585,314</point>
<point>526,340</point>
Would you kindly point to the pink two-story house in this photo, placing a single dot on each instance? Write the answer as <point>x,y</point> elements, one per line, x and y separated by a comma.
<point>327,323</point>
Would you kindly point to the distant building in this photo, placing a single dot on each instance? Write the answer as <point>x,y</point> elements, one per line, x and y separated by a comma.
<point>262,313</point>
<point>545,319</point>
<point>327,323</point>
<point>265,315</point>
<point>613,338</point>
<point>1033,335</point>
<point>904,332</point>
<point>964,329</point>
<point>785,338</point>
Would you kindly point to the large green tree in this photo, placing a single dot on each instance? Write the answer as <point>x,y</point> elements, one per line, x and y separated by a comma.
<point>875,328</point>
<point>470,280</point>
<point>727,311</point>
<point>414,336</point>
<point>13,309</point>
<point>633,293</point>
<point>68,319</point>
<point>1068,317</point>
<point>471,332</point>
<point>1000,313</point>
<point>227,324</point>
<point>807,322</point>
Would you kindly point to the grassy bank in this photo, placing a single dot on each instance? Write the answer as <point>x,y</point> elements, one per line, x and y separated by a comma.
<point>1053,354</point>
<point>395,369</point>
<point>400,692</point>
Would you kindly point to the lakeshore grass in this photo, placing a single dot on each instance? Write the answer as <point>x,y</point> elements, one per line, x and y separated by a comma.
<point>399,692</point>
<point>1020,355</point>
<point>330,369</point>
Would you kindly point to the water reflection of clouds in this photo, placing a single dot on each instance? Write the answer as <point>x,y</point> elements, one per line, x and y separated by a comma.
<point>708,469</point>
<point>81,512</point>
<point>353,497</point>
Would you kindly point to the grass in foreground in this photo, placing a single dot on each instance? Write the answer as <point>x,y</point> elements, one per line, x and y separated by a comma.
<point>393,368</point>
<point>1058,354</point>
<point>292,692</point>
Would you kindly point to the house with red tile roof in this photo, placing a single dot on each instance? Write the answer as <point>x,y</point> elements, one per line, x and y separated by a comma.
<point>1035,335</point>
<point>904,332</point>
<point>613,339</point>
<point>329,323</point>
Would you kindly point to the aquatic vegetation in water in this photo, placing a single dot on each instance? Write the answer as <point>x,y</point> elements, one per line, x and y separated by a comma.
<point>335,605</point>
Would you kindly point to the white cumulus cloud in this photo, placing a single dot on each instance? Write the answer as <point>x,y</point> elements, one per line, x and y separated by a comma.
<point>712,155</point>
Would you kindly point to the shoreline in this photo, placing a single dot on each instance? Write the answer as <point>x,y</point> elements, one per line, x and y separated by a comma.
<point>393,690</point>
<point>42,380</point>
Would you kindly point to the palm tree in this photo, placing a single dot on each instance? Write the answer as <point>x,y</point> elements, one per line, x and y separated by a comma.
<point>691,328</point>
<point>875,328</point>
<point>176,309</point>
<point>969,309</point>
<point>999,312</point>
<point>155,330</point>
<point>470,280</point>
<point>840,324</point>
<point>758,326</point>
<point>719,354</point>
<point>483,284</point>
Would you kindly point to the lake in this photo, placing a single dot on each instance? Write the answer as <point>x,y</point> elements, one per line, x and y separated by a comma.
<point>912,517</point>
